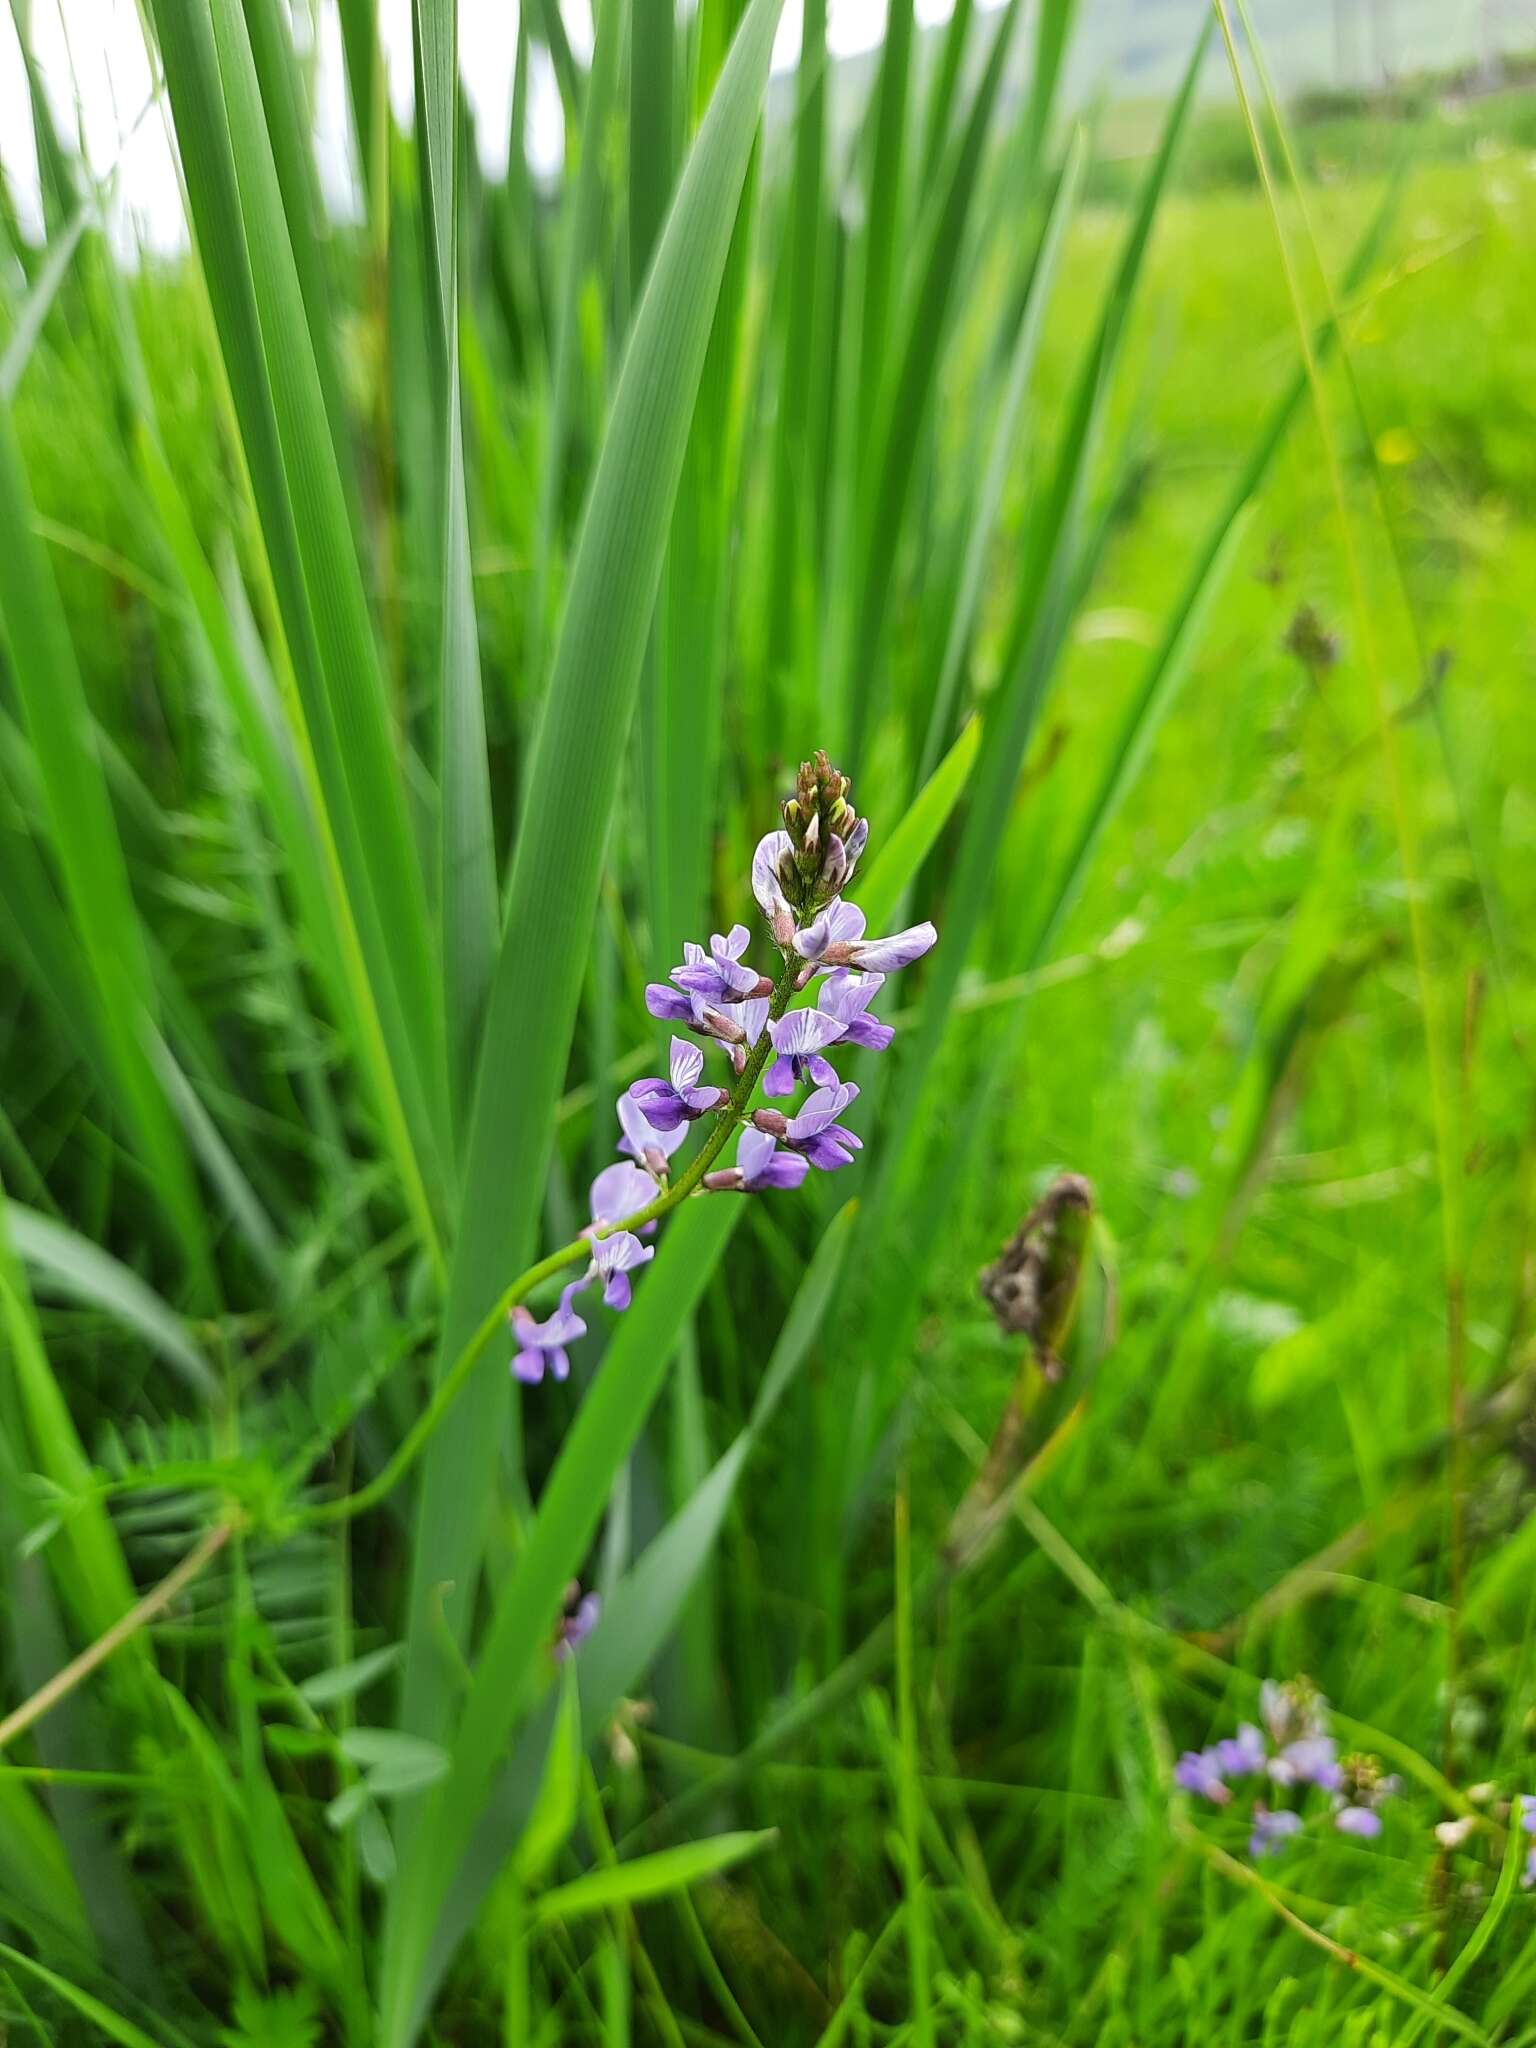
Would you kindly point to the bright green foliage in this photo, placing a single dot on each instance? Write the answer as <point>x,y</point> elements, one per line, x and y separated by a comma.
<point>407,627</point>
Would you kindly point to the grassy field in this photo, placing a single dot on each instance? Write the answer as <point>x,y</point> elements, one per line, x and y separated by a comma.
<point>416,685</point>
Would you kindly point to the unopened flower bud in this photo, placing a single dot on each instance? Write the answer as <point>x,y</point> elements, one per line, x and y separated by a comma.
<point>773,1121</point>
<point>725,1180</point>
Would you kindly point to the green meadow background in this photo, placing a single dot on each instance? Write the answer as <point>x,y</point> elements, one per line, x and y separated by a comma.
<point>407,628</point>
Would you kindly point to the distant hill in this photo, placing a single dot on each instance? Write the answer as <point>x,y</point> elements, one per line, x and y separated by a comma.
<point>1136,49</point>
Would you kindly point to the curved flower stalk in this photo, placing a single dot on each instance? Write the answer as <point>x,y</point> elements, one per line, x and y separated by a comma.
<point>717,997</point>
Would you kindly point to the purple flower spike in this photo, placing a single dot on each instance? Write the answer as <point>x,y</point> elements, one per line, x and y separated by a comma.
<point>667,1104</point>
<point>541,1346</point>
<point>1358,1820</point>
<point>1271,1831</point>
<point>817,1134</point>
<point>798,1040</point>
<point>582,1613</point>
<point>614,1259</point>
<point>1197,1771</point>
<point>619,1191</point>
<point>1240,1755</point>
<point>847,997</point>
<point>718,976</point>
<point>1313,1760</point>
<point>762,1165</point>
<point>641,1139</point>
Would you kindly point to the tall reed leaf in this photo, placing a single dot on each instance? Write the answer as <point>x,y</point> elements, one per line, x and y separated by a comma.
<point>571,790</point>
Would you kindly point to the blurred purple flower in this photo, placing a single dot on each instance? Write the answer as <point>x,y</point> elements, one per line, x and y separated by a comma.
<point>582,1614</point>
<point>847,997</point>
<point>1358,1820</point>
<point>1197,1771</point>
<point>798,1040</point>
<point>678,1100</point>
<point>541,1346</point>
<point>1240,1755</point>
<point>1271,1831</point>
<point>1312,1760</point>
<point>1528,1875</point>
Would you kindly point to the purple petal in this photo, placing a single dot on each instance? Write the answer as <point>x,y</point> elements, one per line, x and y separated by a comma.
<point>1240,1755</point>
<point>766,886</point>
<point>900,950</point>
<point>669,1004</point>
<point>780,1077</point>
<point>660,1104</point>
<point>1271,1831</point>
<point>1358,1820</point>
<point>1196,1771</point>
<point>641,1135</point>
<point>751,1015</point>
<point>754,1151</point>
<point>821,1109</point>
<point>687,1064</point>
<point>821,1071</point>
<point>528,1366</point>
<point>1528,1875</point>
<point>804,1031</point>
<point>840,924</point>
<point>1528,1813</point>
<point>832,1148</point>
<point>1311,1761</point>
<point>617,1291</point>
<point>619,1191</point>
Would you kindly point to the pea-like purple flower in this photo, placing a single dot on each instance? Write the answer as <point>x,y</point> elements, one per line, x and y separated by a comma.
<point>1271,1831</point>
<point>816,1132</point>
<point>679,1099</point>
<point>541,1346</point>
<point>1243,1754</point>
<point>614,1258</point>
<point>760,1165</point>
<point>1313,1760</point>
<point>1362,1788</point>
<point>836,939</point>
<point>1197,1770</point>
<point>718,975</point>
<point>847,997</point>
<point>800,1040</point>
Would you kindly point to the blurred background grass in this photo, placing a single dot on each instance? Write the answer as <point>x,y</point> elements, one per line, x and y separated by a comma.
<point>1224,1033</point>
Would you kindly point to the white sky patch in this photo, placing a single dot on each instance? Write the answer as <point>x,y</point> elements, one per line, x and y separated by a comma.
<point>92,58</point>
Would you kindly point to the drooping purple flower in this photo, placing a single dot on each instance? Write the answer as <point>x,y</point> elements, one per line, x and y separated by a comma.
<point>836,939</point>
<point>641,1139</point>
<point>1358,1820</point>
<point>1198,1771</point>
<point>675,1005</point>
<point>614,1258</point>
<point>798,1039</point>
<point>619,1191</point>
<point>541,1346</point>
<point>847,997</point>
<point>762,1165</point>
<point>1312,1760</point>
<point>718,975</point>
<point>582,1614</point>
<point>816,1132</point>
<point>1240,1755</point>
<point>678,1100</point>
<point>1271,1831</point>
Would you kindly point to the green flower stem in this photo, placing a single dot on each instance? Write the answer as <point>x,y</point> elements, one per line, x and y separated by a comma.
<point>449,1387</point>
